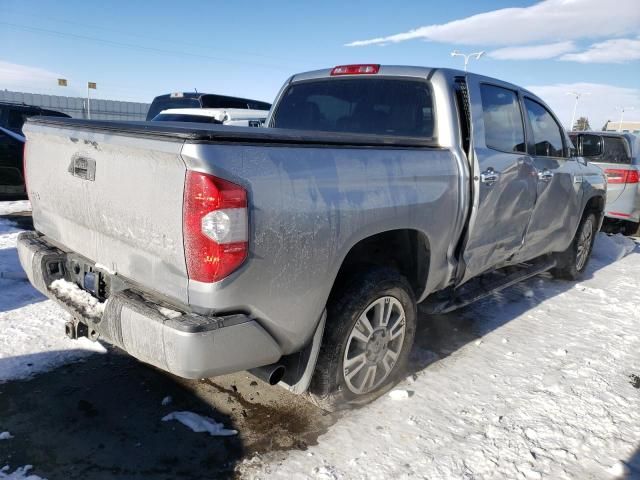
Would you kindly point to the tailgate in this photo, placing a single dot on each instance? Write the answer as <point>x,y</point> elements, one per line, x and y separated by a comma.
<point>113,198</point>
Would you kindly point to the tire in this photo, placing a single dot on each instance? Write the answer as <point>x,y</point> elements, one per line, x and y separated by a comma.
<point>632,229</point>
<point>572,263</point>
<point>348,340</point>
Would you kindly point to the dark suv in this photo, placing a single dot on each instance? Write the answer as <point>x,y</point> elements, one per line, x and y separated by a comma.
<point>12,118</point>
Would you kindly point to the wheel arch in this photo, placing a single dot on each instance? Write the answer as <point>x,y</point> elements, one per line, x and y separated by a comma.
<point>596,204</point>
<point>406,250</point>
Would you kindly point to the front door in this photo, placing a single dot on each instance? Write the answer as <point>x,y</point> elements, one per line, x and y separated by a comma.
<point>504,178</point>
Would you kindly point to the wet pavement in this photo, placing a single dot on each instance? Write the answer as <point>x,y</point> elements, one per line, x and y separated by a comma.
<point>101,418</point>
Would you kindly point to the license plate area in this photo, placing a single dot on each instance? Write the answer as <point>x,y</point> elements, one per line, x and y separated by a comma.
<point>84,274</point>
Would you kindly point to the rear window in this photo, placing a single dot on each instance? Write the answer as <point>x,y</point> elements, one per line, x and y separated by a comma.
<point>176,117</point>
<point>364,105</point>
<point>215,101</point>
<point>614,150</point>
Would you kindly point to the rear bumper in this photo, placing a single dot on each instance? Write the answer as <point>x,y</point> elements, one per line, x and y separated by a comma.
<point>185,344</point>
<point>629,216</point>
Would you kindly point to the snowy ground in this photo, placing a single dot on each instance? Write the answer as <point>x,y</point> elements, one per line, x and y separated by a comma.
<point>549,389</point>
<point>542,381</point>
<point>31,328</point>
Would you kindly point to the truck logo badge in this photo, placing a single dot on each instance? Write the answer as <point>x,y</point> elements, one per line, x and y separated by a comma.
<point>83,167</point>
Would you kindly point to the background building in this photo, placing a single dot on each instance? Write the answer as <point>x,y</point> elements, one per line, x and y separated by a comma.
<point>77,106</point>
<point>630,127</point>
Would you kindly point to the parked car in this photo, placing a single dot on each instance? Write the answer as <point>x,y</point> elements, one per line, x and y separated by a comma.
<point>618,154</point>
<point>301,250</point>
<point>202,100</point>
<point>12,117</point>
<point>219,116</point>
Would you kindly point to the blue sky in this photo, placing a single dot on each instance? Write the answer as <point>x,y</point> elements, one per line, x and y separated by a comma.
<point>135,50</point>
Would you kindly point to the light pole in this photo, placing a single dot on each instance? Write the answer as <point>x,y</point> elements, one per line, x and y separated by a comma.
<point>577,96</point>
<point>467,56</point>
<point>90,85</point>
<point>622,110</point>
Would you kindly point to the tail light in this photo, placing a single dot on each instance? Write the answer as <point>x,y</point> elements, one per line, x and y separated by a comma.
<point>215,227</point>
<point>24,168</point>
<point>615,175</point>
<point>363,69</point>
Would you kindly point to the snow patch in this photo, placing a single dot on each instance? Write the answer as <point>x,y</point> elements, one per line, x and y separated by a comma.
<point>399,394</point>
<point>7,208</point>
<point>20,473</point>
<point>5,436</point>
<point>87,303</point>
<point>200,423</point>
<point>167,312</point>
<point>166,401</point>
<point>611,248</point>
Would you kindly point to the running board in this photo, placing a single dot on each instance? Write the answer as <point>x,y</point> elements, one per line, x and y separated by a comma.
<point>484,286</point>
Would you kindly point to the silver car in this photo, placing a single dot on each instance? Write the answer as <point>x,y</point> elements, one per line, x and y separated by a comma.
<point>618,154</point>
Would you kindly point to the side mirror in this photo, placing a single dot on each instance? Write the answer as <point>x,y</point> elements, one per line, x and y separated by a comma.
<point>590,145</point>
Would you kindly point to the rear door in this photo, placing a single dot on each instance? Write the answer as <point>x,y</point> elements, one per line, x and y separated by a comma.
<point>558,177</point>
<point>504,178</point>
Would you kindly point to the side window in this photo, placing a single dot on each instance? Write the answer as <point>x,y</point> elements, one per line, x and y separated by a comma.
<point>614,150</point>
<point>503,127</point>
<point>547,134</point>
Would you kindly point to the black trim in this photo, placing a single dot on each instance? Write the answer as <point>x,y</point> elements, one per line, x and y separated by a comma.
<point>205,133</point>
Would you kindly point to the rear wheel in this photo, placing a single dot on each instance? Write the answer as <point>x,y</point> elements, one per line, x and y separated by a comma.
<point>369,334</point>
<point>573,262</point>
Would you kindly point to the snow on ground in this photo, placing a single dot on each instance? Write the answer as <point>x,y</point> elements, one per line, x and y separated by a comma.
<point>545,392</point>
<point>200,423</point>
<point>18,206</point>
<point>21,473</point>
<point>32,336</point>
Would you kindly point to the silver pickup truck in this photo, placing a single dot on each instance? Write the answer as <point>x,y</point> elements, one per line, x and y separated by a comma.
<point>301,250</point>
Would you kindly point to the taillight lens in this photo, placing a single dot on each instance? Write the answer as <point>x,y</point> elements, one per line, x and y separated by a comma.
<point>24,168</point>
<point>615,175</point>
<point>215,227</point>
<point>362,69</point>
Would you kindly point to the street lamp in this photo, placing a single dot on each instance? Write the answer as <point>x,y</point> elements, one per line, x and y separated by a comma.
<point>622,110</point>
<point>467,56</point>
<point>577,96</point>
<point>90,86</point>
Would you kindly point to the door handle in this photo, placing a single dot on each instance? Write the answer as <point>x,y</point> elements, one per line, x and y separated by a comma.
<point>545,175</point>
<point>489,176</point>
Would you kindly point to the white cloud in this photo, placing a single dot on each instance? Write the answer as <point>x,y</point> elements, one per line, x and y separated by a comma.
<point>26,79</point>
<point>533,52</point>
<point>555,20</point>
<point>599,106</point>
<point>617,50</point>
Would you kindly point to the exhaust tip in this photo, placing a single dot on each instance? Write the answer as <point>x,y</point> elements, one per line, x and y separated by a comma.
<point>270,374</point>
<point>276,375</point>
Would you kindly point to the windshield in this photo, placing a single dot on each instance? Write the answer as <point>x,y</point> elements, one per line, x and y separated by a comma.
<point>159,105</point>
<point>379,106</point>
